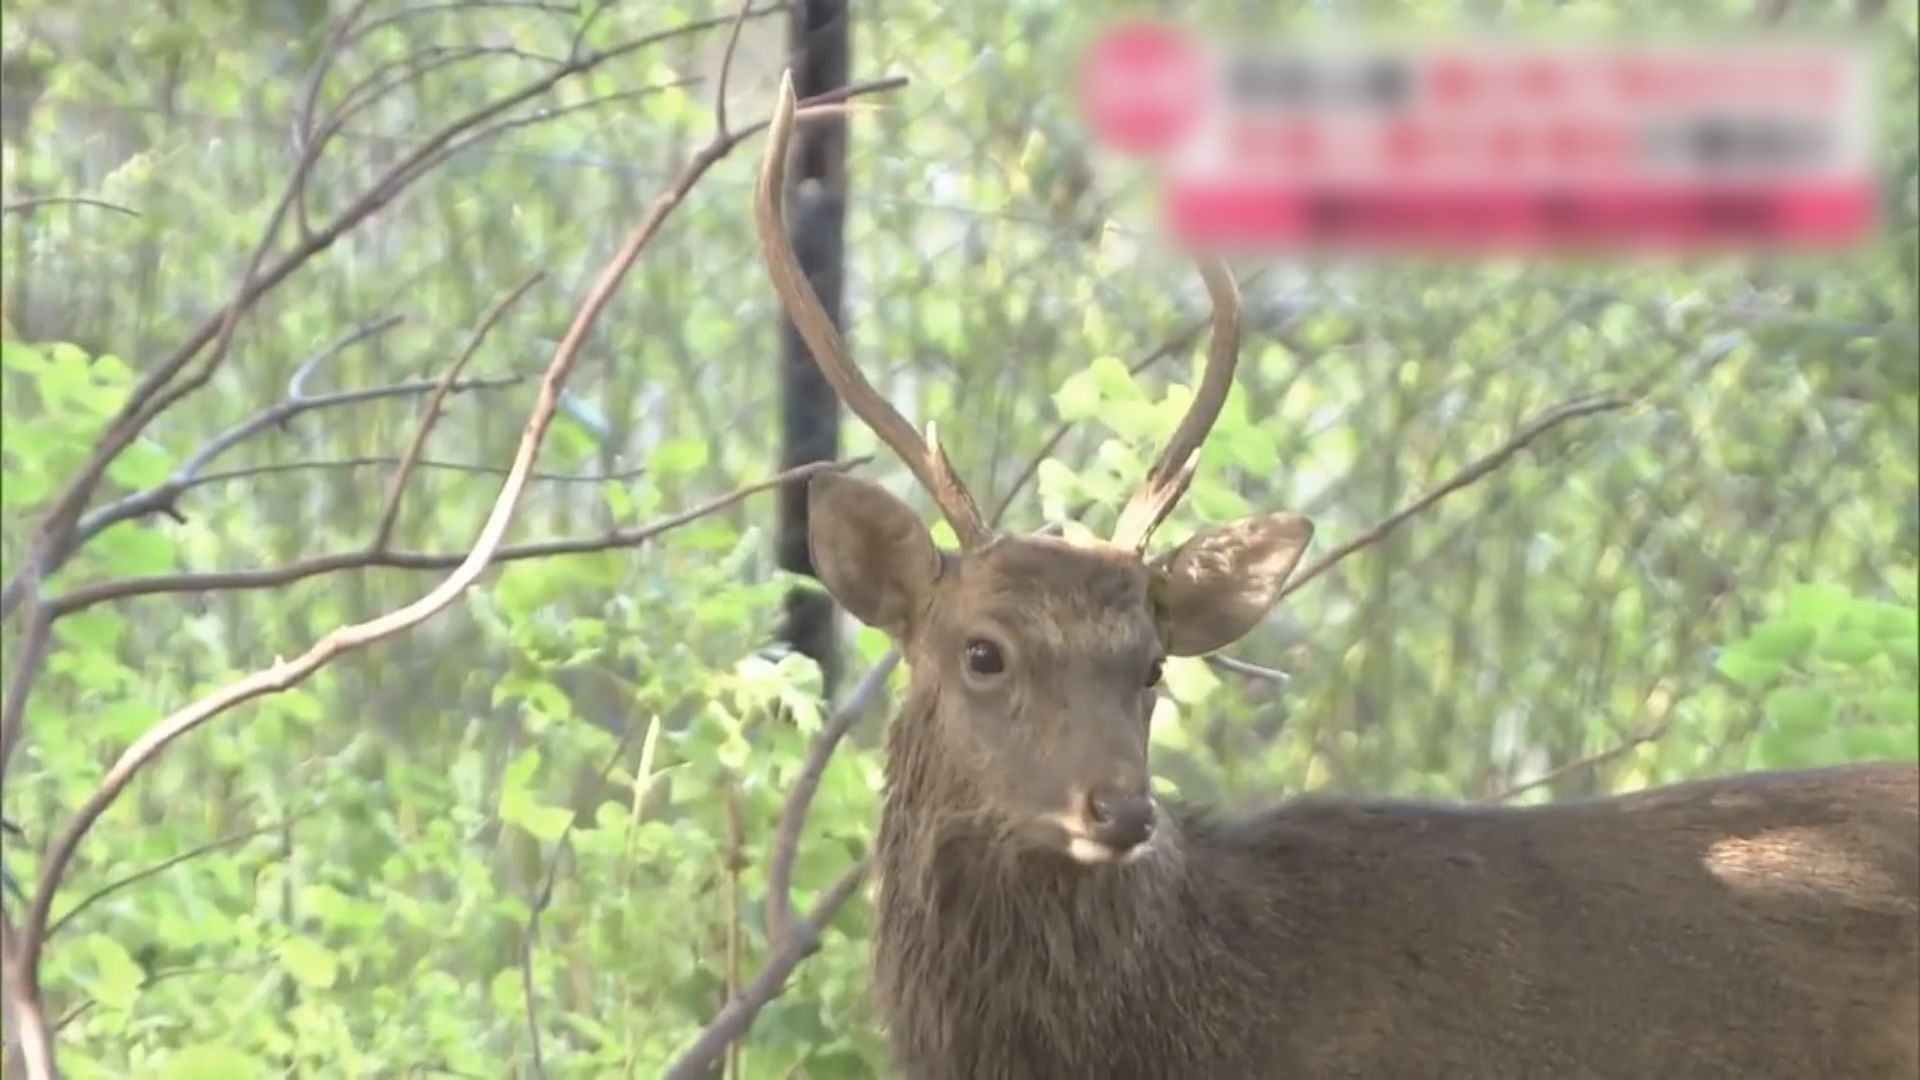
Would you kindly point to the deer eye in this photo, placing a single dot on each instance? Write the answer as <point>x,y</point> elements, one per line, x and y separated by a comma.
<point>983,658</point>
<point>1153,674</point>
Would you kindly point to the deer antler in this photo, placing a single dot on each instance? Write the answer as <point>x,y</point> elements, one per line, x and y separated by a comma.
<point>1173,470</point>
<point>925,457</point>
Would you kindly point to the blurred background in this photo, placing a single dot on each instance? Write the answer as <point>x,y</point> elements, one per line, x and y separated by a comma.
<point>1679,535</point>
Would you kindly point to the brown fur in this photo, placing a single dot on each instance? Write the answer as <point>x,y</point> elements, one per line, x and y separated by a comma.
<point>1755,927</point>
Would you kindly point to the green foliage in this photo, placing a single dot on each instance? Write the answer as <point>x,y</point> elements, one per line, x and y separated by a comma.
<point>615,723</point>
<point>1836,675</point>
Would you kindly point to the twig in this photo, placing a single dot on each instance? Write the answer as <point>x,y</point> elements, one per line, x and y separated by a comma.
<point>430,412</point>
<point>462,6</point>
<point>27,1017</point>
<point>1539,426</point>
<point>250,472</point>
<point>21,206</point>
<point>793,813</point>
<point>541,902</point>
<point>166,975</point>
<point>303,143</point>
<point>297,385</point>
<point>1637,739</point>
<point>162,867</point>
<point>164,497</point>
<point>738,1015</point>
<point>52,543</point>
<point>1251,671</point>
<point>22,673</point>
<point>726,67</point>
<point>23,955</point>
<point>736,862</point>
<point>87,596</point>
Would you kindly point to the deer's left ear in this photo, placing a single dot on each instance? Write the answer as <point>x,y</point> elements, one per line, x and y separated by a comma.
<point>1218,585</point>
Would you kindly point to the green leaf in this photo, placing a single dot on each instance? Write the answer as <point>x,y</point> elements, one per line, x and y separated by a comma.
<point>1800,709</point>
<point>300,705</point>
<point>1112,381</point>
<point>521,769</point>
<point>1780,641</point>
<point>1078,396</point>
<point>1888,621</point>
<point>310,962</point>
<point>133,550</point>
<point>1878,744</point>
<point>1188,679</point>
<point>1817,603</point>
<point>141,465</point>
<point>117,975</point>
<point>619,500</point>
<point>97,628</point>
<point>1739,663</point>
<point>519,807</point>
<point>1899,709</point>
<point>337,909</point>
<point>1256,450</point>
<point>1852,647</point>
<point>22,357</point>
<point>211,1061</point>
<point>678,456</point>
<point>505,990</point>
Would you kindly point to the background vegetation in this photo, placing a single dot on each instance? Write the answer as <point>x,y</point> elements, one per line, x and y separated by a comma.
<point>1679,537</point>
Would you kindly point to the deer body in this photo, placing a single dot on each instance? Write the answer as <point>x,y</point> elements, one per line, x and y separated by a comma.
<point>1752,928</point>
<point>1041,915</point>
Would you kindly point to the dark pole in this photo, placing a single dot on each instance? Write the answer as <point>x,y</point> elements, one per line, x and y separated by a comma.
<point>817,40</point>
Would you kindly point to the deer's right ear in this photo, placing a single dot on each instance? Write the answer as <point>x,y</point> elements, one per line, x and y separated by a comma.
<point>870,550</point>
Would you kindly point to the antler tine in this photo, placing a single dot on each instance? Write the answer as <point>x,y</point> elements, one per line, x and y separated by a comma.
<point>1173,470</point>
<point>928,462</point>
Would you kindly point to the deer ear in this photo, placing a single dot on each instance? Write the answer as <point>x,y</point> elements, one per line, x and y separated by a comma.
<point>1220,583</point>
<point>870,550</point>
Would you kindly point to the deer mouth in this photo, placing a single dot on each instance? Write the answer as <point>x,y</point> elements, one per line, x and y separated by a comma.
<point>1083,846</point>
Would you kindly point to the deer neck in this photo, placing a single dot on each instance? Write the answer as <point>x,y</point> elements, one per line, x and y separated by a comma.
<point>977,936</point>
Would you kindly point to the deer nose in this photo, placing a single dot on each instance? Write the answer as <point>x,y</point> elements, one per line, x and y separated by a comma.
<point>1120,820</point>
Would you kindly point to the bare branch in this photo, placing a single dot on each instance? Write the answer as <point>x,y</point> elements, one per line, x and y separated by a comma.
<point>733,1021</point>
<point>793,813</point>
<point>542,116</point>
<point>459,6</point>
<point>165,496</point>
<point>52,543</point>
<point>251,471</point>
<point>303,142</point>
<point>726,67</point>
<point>23,954</point>
<point>21,206</point>
<point>430,412</point>
<point>1590,761</point>
<point>162,867</point>
<point>1251,671</point>
<point>267,577</point>
<point>297,385</point>
<point>30,1041</point>
<point>22,674</point>
<point>1540,425</point>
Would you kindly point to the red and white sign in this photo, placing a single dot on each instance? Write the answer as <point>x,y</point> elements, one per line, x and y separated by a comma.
<point>1493,147</point>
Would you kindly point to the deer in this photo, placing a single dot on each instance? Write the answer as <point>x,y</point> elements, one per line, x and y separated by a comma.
<point>1040,913</point>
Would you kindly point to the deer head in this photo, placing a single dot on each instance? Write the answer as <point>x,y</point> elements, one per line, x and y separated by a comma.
<point>1033,658</point>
